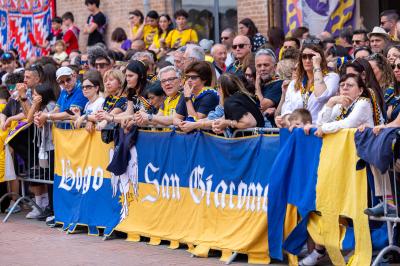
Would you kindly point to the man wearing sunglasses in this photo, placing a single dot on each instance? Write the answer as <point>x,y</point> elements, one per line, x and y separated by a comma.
<point>241,49</point>
<point>360,39</point>
<point>70,97</point>
<point>227,37</point>
<point>102,64</point>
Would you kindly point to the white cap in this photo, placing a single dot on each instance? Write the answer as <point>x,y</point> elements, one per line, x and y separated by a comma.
<point>63,71</point>
<point>378,31</point>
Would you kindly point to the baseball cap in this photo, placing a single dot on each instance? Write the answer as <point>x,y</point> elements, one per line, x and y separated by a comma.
<point>7,57</point>
<point>63,71</point>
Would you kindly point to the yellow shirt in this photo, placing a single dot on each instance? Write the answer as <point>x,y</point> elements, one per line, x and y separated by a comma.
<point>149,33</point>
<point>135,30</point>
<point>169,105</point>
<point>156,39</point>
<point>176,38</point>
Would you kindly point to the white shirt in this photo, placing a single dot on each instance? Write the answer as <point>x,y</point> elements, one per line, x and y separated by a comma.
<point>230,58</point>
<point>91,108</point>
<point>293,99</point>
<point>362,114</point>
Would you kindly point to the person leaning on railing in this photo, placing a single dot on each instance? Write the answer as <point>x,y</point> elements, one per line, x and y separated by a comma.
<point>70,97</point>
<point>92,85</point>
<point>115,101</point>
<point>170,81</point>
<point>199,98</point>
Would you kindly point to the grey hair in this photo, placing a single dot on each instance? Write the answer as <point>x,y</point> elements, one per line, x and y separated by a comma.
<point>215,46</point>
<point>168,69</point>
<point>195,51</point>
<point>139,55</point>
<point>267,52</point>
<point>96,51</point>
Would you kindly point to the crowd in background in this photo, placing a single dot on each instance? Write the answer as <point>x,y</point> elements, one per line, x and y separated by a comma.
<point>161,74</point>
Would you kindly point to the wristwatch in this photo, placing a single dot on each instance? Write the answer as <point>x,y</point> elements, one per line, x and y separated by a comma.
<point>188,99</point>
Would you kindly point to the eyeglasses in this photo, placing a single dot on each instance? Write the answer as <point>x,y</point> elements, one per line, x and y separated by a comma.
<point>84,62</point>
<point>240,46</point>
<point>101,65</point>
<point>192,77</point>
<point>307,56</point>
<point>169,80</point>
<point>66,81</point>
<point>396,65</point>
<point>88,87</point>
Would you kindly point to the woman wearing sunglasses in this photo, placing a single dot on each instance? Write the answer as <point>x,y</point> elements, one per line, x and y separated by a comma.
<point>313,85</point>
<point>199,97</point>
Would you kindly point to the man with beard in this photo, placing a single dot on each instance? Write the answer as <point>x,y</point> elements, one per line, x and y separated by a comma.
<point>268,87</point>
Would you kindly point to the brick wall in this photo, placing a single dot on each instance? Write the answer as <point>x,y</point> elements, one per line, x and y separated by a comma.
<point>257,10</point>
<point>117,13</point>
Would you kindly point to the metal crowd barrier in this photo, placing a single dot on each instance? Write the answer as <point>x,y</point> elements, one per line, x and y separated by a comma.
<point>391,221</point>
<point>254,131</point>
<point>37,169</point>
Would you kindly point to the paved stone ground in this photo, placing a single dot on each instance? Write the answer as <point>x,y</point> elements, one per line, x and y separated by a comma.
<point>30,242</point>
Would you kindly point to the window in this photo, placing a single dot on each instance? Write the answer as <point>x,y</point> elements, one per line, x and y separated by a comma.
<point>209,17</point>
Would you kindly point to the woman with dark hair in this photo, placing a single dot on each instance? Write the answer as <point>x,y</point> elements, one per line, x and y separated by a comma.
<point>350,109</point>
<point>249,29</point>
<point>136,20</point>
<point>164,27</point>
<point>392,52</point>
<point>361,67</point>
<point>199,98</point>
<point>49,76</point>
<point>183,34</point>
<point>383,72</point>
<point>120,42</point>
<point>156,96</point>
<point>92,85</point>
<point>313,85</point>
<point>362,52</point>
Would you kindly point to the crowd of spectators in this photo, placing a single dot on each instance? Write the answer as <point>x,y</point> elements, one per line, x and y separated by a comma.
<point>160,74</point>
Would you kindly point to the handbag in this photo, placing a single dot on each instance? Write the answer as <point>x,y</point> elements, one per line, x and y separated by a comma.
<point>107,133</point>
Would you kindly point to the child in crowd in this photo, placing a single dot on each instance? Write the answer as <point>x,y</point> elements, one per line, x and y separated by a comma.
<point>60,52</point>
<point>299,118</point>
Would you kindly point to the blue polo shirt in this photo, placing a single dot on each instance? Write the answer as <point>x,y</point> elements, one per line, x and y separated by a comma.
<point>74,99</point>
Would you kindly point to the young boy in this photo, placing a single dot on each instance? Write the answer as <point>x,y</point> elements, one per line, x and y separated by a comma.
<point>96,23</point>
<point>55,34</point>
<point>299,118</point>
<point>71,35</point>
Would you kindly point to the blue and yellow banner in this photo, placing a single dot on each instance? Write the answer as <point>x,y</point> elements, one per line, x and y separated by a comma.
<point>203,190</point>
<point>83,191</point>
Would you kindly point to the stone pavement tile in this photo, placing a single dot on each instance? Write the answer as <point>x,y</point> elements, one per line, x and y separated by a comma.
<point>30,242</point>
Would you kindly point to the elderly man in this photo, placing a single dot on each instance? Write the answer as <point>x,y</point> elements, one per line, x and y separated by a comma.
<point>219,53</point>
<point>268,88</point>
<point>170,82</point>
<point>193,53</point>
<point>388,21</point>
<point>378,39</point>
<point>70,97</point>
<point>227,36</point>
<point>241,49</point>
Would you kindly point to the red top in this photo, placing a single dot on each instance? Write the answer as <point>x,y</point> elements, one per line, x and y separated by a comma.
<point>71,39</point>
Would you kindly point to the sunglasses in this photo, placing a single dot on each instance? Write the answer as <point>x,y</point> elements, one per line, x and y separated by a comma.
<point>84,62</point>
<point>101,65</point>
<point>66,81</point>
<point>396,65</point>
<point>88,87</point>
<point>307,56</point>
<point>165,81</point>
<point>241,46</point>
<point>192,77</point>
<point>356,41</point>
